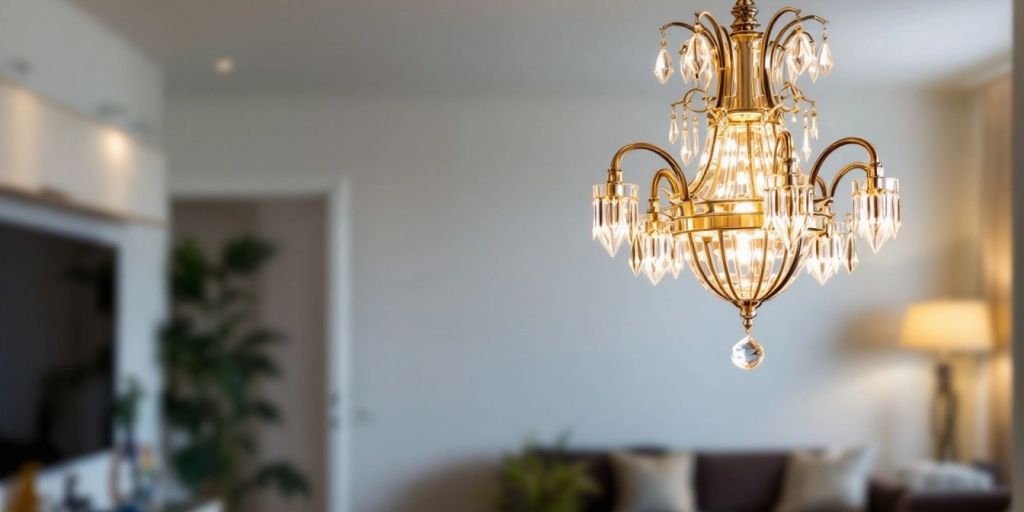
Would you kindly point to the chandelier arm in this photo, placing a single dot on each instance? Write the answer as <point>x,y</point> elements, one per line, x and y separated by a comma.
<point>702,173</point>
<point>768,51</point>
<point>872,165</point>
<point>679,24</point>
<point>674,184</point>
<point>615,169</point>
<point>820,182</point>
<point>687,97</point>
<point>794,23</point>
<point>784,142</point>
<point>843,172</point>
<point>724,52</point>
<point>770,45</point>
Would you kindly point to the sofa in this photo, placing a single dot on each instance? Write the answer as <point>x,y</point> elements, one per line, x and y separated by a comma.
<point>751,481</point>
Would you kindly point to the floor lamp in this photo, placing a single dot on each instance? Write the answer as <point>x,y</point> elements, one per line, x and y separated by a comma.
<point>947,329</point>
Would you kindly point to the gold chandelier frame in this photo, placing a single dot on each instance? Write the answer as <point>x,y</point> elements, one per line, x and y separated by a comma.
<point>746,65</point>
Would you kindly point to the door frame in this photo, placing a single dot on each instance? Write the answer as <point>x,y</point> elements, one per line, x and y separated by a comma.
<point>338,410</point>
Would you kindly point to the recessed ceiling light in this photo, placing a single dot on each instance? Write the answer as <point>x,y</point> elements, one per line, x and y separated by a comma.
<point>224,65</point>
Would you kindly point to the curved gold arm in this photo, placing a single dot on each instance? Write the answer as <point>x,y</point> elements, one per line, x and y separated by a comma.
<point>770,45</point>
<point>655,198</point>
<point>615,169</point>
<point>870,168</point>
<point>724,53</point>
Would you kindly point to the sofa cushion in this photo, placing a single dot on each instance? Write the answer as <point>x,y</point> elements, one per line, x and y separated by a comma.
<point>834,482</point>
<point>649,483</point>
<point>739,481</point>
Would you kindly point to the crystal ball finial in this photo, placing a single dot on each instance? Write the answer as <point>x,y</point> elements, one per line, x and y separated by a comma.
<point>747,354</point>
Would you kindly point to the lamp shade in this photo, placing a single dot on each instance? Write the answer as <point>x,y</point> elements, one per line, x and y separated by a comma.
<point>948,326</point>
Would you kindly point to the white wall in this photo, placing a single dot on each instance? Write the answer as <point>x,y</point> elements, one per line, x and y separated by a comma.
<point>54,48</point>
<point>483,312</point>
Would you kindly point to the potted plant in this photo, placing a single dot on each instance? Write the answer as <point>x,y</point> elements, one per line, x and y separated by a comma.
<point>214,353</point>
<point>544,480</point>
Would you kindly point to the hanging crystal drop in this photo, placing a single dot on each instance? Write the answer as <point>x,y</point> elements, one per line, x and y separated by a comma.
<point>812,68</point>
<point>747,354</point>
<point>684,151</point>
<point>708,76</point>
<point>806,149</point>
<point>806,53</point>
<point>689,64</point>
<point>792,116</point>
<point>825,61</point>
<point>663,66</point>
<point>673,129</point>
<point>814,124</point>
<point>700,53</point>
<point>791,65</point>
<point>636,256</point>
<point>850,259</point>
<point>694,136</point>
<point>678,257</point>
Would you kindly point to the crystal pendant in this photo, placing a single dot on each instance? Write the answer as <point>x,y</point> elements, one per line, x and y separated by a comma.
<point>792,68</point>
<point>850,259</point>
<point>684,152</point>
<point>656,253</point>
<point>708,75</point>
<point>825,62</point>
<point>813,68</point>
<point>789,207</point>
<point>876,209</point>
<point>694,137</point>
<point>805,52</point>
<point>814,125</point>
<point>679,257</point>
<point>636,256</point>
<point>824,256</point>
<point>806,147</point>
<point>616,214</point>
<point>747,354</point>
<point>688,65</point>
<point>673,129</point>
<point>663,66</point>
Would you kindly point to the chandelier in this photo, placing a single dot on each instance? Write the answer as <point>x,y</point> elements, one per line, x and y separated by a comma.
<point>751,219</point>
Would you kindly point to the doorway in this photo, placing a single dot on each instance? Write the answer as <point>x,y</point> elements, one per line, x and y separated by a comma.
<point>292,293</point>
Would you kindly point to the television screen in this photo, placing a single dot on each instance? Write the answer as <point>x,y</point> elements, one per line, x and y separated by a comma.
<point>57,338</point>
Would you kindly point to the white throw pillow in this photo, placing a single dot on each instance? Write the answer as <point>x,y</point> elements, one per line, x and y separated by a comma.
<point>827,482</point>
<point>655,483</point>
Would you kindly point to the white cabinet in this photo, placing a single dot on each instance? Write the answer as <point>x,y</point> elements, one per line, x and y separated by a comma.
<point>48,152</point>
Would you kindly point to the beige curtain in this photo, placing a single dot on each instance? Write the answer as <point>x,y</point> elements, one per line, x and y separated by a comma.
<point>997,236</point>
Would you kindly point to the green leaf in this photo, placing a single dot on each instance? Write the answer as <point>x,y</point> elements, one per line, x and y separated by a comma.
<point>259,338</point>
<point>189,272</point>
<point>262,410</point>
<point>245,255</point>
<point>284,478</point>
<point>197,463</point>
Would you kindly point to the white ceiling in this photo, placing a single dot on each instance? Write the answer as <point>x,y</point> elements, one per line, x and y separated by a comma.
<point>507,46</point>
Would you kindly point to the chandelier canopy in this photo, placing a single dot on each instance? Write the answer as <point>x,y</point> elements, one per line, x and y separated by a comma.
<point>750,219</point>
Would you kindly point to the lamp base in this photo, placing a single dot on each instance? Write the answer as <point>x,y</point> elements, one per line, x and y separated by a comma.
<point>944,413</point>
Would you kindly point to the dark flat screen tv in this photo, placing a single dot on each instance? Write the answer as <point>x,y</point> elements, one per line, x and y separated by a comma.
<point>57,337</point>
